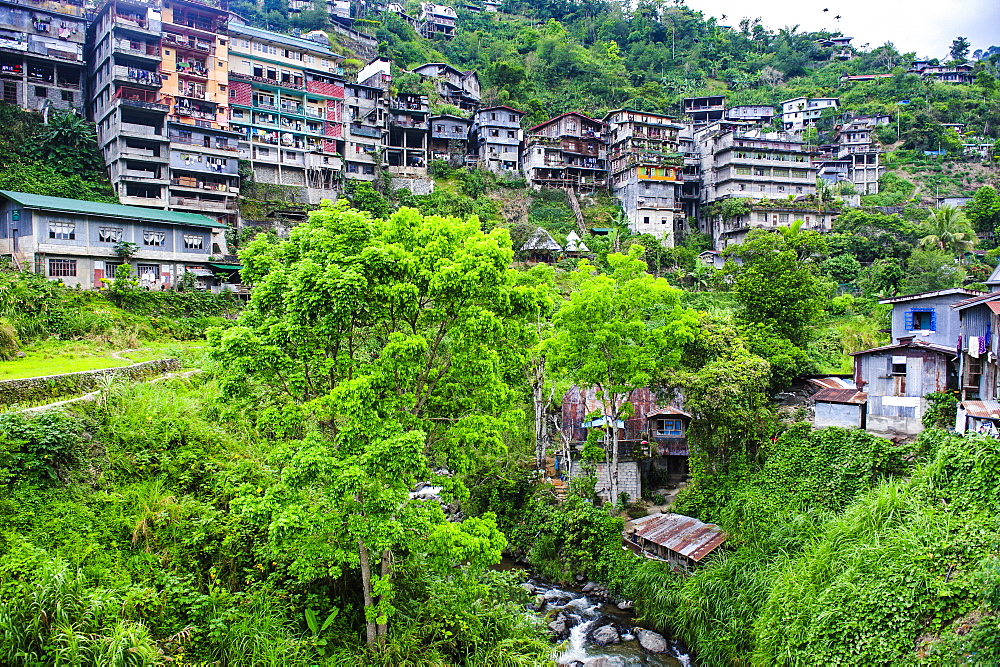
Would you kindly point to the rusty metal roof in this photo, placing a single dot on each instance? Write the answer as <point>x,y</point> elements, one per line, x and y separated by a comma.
<point>831,383</point>
<point>994,306</point>
<point>982,409</point>
<point>928,295</point>
<point>669,411</point>
<point>965,303</point>
<point>852,396</point>
<point>916,343</point>
<point>681,534</point>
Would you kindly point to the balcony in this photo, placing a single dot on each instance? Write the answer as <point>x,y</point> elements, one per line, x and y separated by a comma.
<point>140,49</point>
<point>190,44</point>
<point>147,154</point>
<point>137,175</point>
<point>201,144</point>
<point>362,131</point>
<point>203,204</point>
<point>651,204</point>
<point>133,22</point>
<point>410,124</point>
<point>135,75</point>
<point>408,106</point>
<point>141,130</point>
<point>192,93</point>
<point>195,184</point>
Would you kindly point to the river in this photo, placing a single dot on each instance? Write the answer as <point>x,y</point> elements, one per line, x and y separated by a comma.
<point>583,615</point>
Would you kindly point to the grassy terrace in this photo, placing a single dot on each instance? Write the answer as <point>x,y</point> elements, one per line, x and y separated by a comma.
<point>53,357</point>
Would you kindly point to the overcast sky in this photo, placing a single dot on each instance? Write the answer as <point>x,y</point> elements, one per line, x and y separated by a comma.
<point>924,26</point>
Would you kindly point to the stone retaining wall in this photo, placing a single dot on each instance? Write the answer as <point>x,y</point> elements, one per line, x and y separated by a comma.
<point>31,390</point>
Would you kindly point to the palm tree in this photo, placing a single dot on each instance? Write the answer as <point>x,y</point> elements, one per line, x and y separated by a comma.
<point>947,229</point>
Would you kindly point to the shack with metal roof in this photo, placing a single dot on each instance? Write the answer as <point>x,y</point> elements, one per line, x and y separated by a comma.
<point>837,402</point>
<point>679,540</point>
<point>83,242</point>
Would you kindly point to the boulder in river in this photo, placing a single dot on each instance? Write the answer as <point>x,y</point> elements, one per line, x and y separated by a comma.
<point>625,605</point>
<point>651,641</point>
<point>589,586</point>
<point>604,635</point>
<point>528,587</point>
<point>558,626</point>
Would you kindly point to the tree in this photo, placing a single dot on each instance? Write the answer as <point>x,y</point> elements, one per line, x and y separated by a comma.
<point>947,230</point>
<point>617,332</point>
<point>775,287</point>
<point>931,270</point>
<point>959,50</point>
<point>983,210</point>
<point>390,343</point>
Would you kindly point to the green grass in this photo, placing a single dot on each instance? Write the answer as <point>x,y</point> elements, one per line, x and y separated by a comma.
<point>54,357</point>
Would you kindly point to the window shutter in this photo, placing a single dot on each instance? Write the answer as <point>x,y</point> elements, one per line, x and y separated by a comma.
<point>908,320</point>
<point>933,320</point>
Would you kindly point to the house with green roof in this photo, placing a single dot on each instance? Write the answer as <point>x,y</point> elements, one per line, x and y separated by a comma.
<point>75,241</point>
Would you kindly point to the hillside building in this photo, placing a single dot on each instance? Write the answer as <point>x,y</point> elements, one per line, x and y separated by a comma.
<point>771,170</point>
<point>286,96</point>
<point>409,132</point>
<point>42,54</point>
<point>942,73</point>
<point>367,130</point>
<point>751,113</point>
<point>645,171</point>
<point>496,139</point>
<point>449,138</point>
<point>801,112</point>
<point>704,110</point>
<point>568,151</point>
<point>74,241</point>
<point>436,21</point>
<point>453,86</point>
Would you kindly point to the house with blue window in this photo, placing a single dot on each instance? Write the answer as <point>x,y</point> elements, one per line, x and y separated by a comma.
<point>895,378</point>
<point>74,241</point>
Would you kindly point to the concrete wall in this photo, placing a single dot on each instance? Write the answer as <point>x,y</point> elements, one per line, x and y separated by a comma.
<point>36,389</point>
<point>629,480</point>
<point>947,319</point>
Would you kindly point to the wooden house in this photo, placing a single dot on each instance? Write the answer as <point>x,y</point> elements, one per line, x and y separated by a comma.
<point>681,541</point>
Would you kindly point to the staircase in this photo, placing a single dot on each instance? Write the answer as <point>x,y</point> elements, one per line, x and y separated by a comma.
<point>560,487</point>
<point>574,204</point>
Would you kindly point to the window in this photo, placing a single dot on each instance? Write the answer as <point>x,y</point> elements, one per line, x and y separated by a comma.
<point>493,116</point>
<point>62,230</point>
<point>743,171</point>
<point>41,91</point>
<point>494,133</point>
<point>669,428</point>
<point>645,220</point>
<point>67,96</point>
<point>194,242</point>
<point>782,217</point>
<point>62,268</point>
<point>109,234</point>
<point>897,366</point>
<point>512,118</point>
<point>147,271</point>
<point>511,134</point>
<point>368,169</point>
<point>352,168</point>
<point>663,221</point>
<point>920,319</point>
<point>153,238</point>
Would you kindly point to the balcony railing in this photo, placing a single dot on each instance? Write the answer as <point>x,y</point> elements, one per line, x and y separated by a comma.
<point>362,131</point>
<point>145,50</point>
<point>142,130</point>
<point>203,204</point>
<point>136,75</point>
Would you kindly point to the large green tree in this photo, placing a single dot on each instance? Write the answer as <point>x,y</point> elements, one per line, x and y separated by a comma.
<point>983,210</point>
<point>947,230</point>
<point>397,340</point>
<point>617,332</point>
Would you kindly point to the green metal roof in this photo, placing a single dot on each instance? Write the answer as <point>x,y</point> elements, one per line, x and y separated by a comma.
<point>226,267</point>
<point>110,210</point>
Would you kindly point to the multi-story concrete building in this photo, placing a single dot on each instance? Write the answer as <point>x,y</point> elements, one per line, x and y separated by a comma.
<point>772,170</point>
<point>942,73</point>
<point>449,138</point>
<point>204,151</point>
<point>42,54</point>
<point>568,151</point>
<point>646,171</point>
<point>496,139</point>
<point>127,102</point>
<point>287,96</point>
<point>751,113</point>
<point>74,241</point>
<point>856,146</point>
<point>409,131</point>
<point>366,122</point>
<point>704,110</point>
<point>690,192</point>
<point>436,21</point>
<point>801,112</point>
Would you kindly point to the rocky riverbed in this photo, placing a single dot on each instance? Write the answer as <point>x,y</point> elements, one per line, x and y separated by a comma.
<point>593,630</point>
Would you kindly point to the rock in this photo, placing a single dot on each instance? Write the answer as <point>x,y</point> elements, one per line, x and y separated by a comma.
<point>604,635</point>
<point>580,577</point>
<point>598,662</point>
<point>558,627</point>
<point>528,587</point>
<point>554,594</point>
<point>588,587</point>
<point>651,641</point>
<point>420,486</point>
<point>624,605</point>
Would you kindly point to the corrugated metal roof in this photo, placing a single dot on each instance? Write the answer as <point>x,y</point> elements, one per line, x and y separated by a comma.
<point>541,240</point>
<point>982,409</point>
<point>936,293</point>
<point>288,40</point>
<point>831,383</point>
<point>669,410</point>
<point>916,343</point>
<point>965,303</point>
<point>681,534</point>
<point>851,396</point>
<point>994,306</point>
<point>110,210</point>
